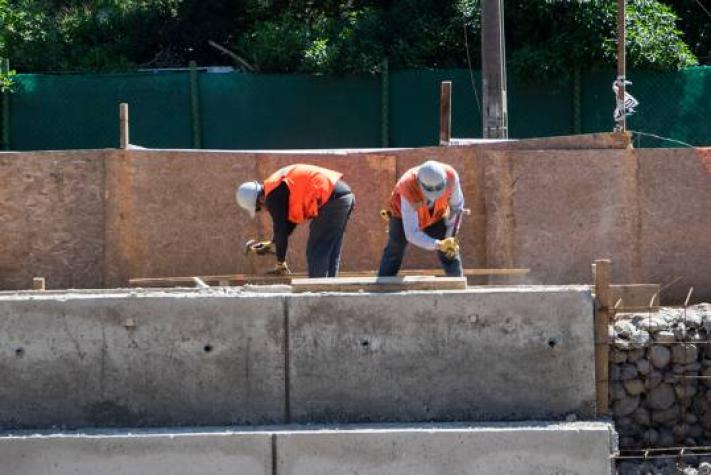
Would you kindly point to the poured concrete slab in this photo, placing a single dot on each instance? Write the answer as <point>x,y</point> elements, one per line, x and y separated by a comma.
<point>134,360</point>
<point>513,449</point>
<point>143,453</point>
<point>487,354</point>
<point>531,448</point>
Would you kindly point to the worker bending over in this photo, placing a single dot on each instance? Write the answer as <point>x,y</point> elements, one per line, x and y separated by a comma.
<point>425,209</point>
<point>295,194</point>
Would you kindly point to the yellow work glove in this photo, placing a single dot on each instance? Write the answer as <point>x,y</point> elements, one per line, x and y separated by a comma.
<point>260,248</point>
<point>280,269</point>
<point>449,246</point>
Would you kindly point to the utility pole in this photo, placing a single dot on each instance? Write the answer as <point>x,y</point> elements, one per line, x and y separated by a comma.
<point>495,117</point>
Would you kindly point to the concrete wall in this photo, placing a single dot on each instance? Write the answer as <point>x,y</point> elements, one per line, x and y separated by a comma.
<point>538,448</point>
<point>97,218</point>
<point>229,357</point>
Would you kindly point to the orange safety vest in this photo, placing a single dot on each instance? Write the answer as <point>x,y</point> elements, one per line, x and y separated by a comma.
<point>309,188</point>
<point>408,187</point>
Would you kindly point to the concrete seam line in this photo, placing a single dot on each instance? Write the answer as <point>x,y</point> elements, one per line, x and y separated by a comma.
<point>287,362</point>
<point>275,470</point>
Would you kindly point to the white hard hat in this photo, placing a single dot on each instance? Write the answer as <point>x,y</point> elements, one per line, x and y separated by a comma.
<point>247,195</point>
<point>432,179</point>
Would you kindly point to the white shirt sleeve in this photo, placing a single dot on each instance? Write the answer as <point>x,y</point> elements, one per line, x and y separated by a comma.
<point>411,225</point>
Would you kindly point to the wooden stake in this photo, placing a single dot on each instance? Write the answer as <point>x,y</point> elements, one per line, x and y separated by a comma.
<point>601,276</point>
<point>38,283</point>
<point>123,126</point>
<point>445,112</point>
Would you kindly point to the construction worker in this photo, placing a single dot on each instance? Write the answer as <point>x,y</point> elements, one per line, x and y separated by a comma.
<point>292,195</point>
<point>425,209</point>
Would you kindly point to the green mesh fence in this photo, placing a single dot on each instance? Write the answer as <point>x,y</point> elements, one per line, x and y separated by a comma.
<point>249,111</point>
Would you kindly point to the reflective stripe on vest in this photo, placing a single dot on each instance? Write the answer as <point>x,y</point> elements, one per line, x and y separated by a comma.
<point>408,187</point>
<point>309,188</point>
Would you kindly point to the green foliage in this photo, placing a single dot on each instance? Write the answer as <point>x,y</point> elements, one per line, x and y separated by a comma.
<point>544,38</point>
<point>583,34</point>
<point>7,83</point>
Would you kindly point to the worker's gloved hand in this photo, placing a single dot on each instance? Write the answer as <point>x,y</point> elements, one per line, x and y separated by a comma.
<point>260,248</point>
<point>449,246</point>
<point>280,269</point>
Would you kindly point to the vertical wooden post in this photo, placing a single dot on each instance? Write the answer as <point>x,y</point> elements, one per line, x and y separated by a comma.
<point>445,112</point>
<point>38,283</point>
<point>5,112</point>
<point>621,62</point>
<point>601,277</point>
<point>195,105</point>
<point>385,103</point>
<point>123,126</point>
<point>495,119</point>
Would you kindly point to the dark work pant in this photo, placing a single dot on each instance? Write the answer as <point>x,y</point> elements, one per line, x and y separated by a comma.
<point>397,243</point>
<point>323,250</point>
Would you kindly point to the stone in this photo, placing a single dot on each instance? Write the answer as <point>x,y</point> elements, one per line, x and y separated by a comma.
<point>671,378</point>
<point>680,332</point>
<point>691,418</point>
<point>642,417</point>
<point>661,397</point>
<point>614,372</point>
<point>628,371</point>
<point>680,431</point>
<point>624,328</point>
<point>634,387</point>
<point>705,468</point>
<point>626,405</point>
<point>696,431</point>
<point>643,366</point>
<point>651,325</point>
<point>635,355</point>
<point>659,356</point>
<point>639,339</point>
<point>689,471</point>
<point>618,357</point>
<point>654,378</point>
<point>617,391</point>
<point>666,438</point>
<point>664,337</point>
<point>621,344</point>
<point>692,367</point>
<point>627,468</point>
<point>692,320</point>
<point>706,422</point>
<point>684,353</point>
<point>650,437</point>
<point>707,374</point>
<point>666,417</point>
<point>685,391</point>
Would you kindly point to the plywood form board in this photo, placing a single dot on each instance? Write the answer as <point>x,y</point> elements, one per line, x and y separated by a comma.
<point>556,211</point>
<point>51,219</point>
<point>675,228</point>
<point>174,213</point>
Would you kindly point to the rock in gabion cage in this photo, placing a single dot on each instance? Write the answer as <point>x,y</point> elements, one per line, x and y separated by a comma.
<point>660,385</point>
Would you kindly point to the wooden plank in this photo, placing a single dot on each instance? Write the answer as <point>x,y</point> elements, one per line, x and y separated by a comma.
<point>38,283</point>
<point>378,284</point>
<point>241,279</point>
<point>601,276</point>
<point>635,297</point>
<point>445,112</point>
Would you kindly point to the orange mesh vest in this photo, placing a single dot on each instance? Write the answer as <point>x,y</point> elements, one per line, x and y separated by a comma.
<point>309,188</point>
<point>408,187</point>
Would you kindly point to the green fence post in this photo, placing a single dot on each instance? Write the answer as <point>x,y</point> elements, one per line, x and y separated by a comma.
<point>195,105</point>
<point>577,102</point>
<point>384,103</point>
<point>5,113</point>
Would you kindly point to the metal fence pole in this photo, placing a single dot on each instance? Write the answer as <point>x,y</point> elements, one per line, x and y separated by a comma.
<point>5,113</point>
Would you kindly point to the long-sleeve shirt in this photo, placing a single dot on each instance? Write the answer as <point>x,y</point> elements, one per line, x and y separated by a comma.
<point>277,203</point>
<point>411,222</point>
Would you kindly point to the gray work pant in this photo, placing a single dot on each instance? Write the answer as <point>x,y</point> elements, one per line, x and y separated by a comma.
<point>323,250</point>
